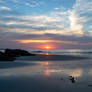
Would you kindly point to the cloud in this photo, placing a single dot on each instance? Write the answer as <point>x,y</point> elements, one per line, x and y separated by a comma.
<point>90,33</point>
<point>41,32</point>
<point>27,3</point>
<point>64,21</point>
<point>75,27</point>
<point>83,10</point>
<point>2,1</point>
<point>83,6</point>
<point>32,4</point>
<point>15,1</point>
<point>71,26</point>
<point>5,8</point>
<point>53,24</point>
<point>56,8</point>
<point>54,41</point>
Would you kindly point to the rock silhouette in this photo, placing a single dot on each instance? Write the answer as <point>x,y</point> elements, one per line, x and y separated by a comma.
<point>17,52</point>
<point>11,54</point>
<point>4,57</point>
<point>72,79</point>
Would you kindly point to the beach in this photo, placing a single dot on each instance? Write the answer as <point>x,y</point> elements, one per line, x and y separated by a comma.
<point>47,73</point>
<point>45,45</point>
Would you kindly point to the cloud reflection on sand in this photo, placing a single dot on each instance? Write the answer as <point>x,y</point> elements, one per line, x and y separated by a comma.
<point>36,75</point>
<point>77,72</point>
<point>70,72</point>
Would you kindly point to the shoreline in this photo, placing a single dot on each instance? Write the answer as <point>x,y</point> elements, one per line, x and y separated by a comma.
<point>51,57</point>
<point>18,54</point>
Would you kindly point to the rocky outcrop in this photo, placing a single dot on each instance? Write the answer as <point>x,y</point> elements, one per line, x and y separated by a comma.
<point>11,54</point>
<point>1,53</point>
<point>17,52</point>
<point>4,57</point>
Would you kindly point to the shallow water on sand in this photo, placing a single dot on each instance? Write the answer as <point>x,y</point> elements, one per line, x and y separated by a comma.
<point>46,76</point>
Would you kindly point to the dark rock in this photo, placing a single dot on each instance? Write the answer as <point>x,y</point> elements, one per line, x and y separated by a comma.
<point>72,79</point>
<point>17,52</point>
<point>89,52</point>
<point>10,54</point>
<point>1,53</point>
<point>90,85</point>
<point>61,79</point>
<point>4,57</point>
<point>70,76</point>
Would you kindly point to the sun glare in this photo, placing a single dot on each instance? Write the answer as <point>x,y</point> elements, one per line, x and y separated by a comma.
<point>47,47</point>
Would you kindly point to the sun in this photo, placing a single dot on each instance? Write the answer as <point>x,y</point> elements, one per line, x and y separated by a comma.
<point>47,47</point>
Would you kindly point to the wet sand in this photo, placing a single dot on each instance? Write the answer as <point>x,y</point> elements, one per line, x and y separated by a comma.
<point>46,74</point>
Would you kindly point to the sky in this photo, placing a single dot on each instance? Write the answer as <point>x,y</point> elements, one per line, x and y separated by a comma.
<point>32,24</point>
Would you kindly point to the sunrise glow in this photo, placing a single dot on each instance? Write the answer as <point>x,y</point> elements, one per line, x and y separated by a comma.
<point>47,47</point>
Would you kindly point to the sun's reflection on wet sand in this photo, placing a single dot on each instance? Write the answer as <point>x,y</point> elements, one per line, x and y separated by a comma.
<point>45,63</point>
<point>46,66</point>
<point>49,69</point>
<point>47,74</point>
<point>75,72</point>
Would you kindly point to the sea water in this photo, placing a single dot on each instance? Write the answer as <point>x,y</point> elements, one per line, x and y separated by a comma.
<point>63,51</point>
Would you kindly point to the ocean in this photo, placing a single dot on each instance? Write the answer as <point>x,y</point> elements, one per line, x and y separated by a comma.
<point>63,51</point>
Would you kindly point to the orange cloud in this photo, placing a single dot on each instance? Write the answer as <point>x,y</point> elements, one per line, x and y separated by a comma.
<point>35,41</point>
<point>46,41</point>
